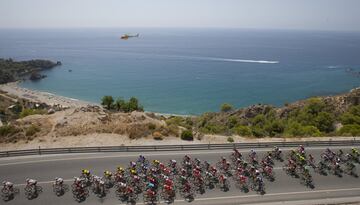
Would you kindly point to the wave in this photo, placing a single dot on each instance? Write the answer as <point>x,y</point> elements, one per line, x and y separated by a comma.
<point>242,60</point>
<point>227,59</point>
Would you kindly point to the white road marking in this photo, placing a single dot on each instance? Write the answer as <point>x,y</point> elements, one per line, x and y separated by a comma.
<point>146,154</point>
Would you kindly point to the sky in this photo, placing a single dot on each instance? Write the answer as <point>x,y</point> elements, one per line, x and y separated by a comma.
<point>338,15</point>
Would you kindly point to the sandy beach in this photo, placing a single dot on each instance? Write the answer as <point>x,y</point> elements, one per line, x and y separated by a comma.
<point>42,97</point>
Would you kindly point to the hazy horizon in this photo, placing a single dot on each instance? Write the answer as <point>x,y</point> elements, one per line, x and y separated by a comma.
<point>233,14</point>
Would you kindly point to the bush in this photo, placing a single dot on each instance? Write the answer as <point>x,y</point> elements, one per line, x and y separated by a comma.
<point>295,129</point>
<point>107,101</point>
<point>314,106</point>
<point>232,122</point>
<point>259,120</point>
<point>180,121</point>
<point>151,126</point>
<point>324,121</point>
<point>214,129</point>
<point>243,130</point>
<point>27,112</point>
<point>348,118</point>
<point>258,131</point>
<point>352,130</point>
<point>157,136</point>
<point>226,107</point>
<point>187,135</point>
<point>7,130</point>
<point>274,128</point>
<point>352,116</point>
<point>121,105</point>
<point>32,130</point>
<point>230,139</point>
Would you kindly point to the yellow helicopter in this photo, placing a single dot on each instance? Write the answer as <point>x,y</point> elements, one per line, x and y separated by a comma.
<point>127,36</point>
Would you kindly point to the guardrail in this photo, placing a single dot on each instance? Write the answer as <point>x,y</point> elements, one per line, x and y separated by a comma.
<point>41,151</point>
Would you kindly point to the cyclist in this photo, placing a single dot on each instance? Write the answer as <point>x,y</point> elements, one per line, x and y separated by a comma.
<point>129,191</point>
<point>86,173</point>
<point>168,182</point>
<point>252,154</point>
<point>141,159</point>
<point>58,181</point>
<point>31,183</point>
<point>132,165</point>
<point>168,190</point>
<point>8,186</point>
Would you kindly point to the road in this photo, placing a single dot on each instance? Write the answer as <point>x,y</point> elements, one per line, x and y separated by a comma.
<point>285,189</point>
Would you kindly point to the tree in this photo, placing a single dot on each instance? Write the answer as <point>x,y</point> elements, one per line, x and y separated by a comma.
<point>107,101</point>
<point>226,107</point>
<point>120,104</point>
<point>324,121</point>
<point>133,104</point>
<point>315,105</point>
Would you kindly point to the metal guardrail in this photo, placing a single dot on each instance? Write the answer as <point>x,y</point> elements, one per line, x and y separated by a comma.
<point>41,151</point>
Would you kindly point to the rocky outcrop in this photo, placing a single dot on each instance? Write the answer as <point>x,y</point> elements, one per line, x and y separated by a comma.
<point>35,76</point>
<point>11,70</point>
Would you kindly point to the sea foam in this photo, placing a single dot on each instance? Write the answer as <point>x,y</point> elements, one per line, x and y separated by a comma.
<point>243,60</point>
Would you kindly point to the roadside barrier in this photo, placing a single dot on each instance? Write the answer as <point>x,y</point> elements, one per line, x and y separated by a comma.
<point>153,148</point>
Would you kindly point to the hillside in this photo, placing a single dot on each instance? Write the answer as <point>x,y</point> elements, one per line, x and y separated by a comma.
<point>315,117</point>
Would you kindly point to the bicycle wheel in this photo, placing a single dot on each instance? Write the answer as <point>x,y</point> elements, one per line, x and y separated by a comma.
<point>39,189</point>
<point>16,190</point>
<point>65,187</point>
<point>4,191</point>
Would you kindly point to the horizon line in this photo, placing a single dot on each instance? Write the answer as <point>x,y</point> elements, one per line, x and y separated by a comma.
<point>179,27</point>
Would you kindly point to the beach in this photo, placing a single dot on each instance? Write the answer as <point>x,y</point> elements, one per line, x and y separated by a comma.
<point>42,97</point>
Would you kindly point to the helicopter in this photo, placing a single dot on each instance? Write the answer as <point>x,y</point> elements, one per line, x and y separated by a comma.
<point>127,36</point>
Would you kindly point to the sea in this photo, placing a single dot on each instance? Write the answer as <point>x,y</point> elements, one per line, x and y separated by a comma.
<point>189,71</point>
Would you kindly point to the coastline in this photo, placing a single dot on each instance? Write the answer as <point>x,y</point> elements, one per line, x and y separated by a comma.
<point>14,89</point>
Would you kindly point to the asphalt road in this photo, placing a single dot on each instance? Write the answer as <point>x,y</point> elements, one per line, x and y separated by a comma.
<point>284,190</point>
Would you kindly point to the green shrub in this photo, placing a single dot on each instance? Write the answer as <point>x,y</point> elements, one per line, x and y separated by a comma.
<point>258,131</point>
<point>324,121</point>
<point>215,129</point>
<point>121,105</point>
<point>348,118</point>
<point>352,116</point>
<point>180,121</point>
<point>32,130</point>
<point>243,130</point>
<point>107,101</point>
<point>151,126</point>
<point>232,122</point>
<point>27,112</point>
<point>295,129</point>
<point>7,130</point>
<point>187,135</point>
<point>274,128</point>
<point>259,120</point>
<point>230,139</point>
<point>314,106</point>
<point>352,130</point>
<point>226,107</point>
